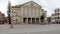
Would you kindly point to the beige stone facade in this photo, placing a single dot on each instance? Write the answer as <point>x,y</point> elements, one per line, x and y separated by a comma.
<point>28,13</point>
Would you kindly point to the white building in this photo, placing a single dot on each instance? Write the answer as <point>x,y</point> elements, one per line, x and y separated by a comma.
<point>56,15</point>
<point>28,13</point>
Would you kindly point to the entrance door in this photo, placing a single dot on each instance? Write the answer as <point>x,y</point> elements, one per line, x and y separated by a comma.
<point>24,20</point>
<point>29,20</point>
<point>33,20</point>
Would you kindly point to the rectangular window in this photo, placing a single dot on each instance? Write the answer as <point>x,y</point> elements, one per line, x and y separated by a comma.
<point>58,13</point>
<point>58,17</point>
<point>52,14</point>
<point>57,9</point>
<point>13,20</point>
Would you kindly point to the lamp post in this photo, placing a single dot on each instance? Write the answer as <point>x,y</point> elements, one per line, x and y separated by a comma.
<point>9,12</point>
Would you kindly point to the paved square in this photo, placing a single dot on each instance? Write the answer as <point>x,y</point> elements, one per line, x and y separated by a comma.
<point>30,29</point>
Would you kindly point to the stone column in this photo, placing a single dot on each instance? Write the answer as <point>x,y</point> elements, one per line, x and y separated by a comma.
<point>39,20</point>
<point>27,21</point>
<point>35,20</point>
<point>31,20</point>
<point>22,20</point>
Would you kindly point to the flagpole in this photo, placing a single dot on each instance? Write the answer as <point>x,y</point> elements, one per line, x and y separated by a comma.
<point>9,12</point>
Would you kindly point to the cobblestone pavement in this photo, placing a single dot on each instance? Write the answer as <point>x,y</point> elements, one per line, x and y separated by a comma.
<point>30,29</point>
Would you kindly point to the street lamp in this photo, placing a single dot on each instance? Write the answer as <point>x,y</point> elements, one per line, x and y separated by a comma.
<point>9,12</point>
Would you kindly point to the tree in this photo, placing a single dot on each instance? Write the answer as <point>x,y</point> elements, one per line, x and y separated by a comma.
<point>42,17</point>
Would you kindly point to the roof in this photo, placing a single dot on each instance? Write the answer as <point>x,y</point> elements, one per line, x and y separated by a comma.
<point>18,6</point>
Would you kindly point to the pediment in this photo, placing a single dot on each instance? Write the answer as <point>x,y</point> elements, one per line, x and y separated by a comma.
<point>31,3</point>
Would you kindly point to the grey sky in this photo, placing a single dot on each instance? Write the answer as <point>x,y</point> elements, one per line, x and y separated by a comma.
<point>48,5</point>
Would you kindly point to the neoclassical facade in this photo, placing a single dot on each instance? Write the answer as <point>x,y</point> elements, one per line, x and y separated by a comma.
<point>27,13</point>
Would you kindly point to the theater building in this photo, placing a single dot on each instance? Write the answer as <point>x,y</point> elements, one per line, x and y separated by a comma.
<point>27,13</point>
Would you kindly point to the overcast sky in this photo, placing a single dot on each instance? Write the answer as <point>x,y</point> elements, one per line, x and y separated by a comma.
<point>48,5</point>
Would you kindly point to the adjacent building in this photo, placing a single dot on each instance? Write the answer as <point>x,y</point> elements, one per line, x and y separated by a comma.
<point>28,13</point>
<point>6,20</point>
<point>56,16</point>
<point>49,20</point>
<point>2,18</point>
